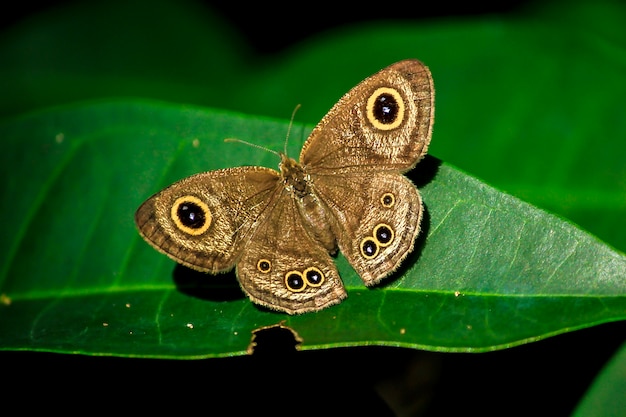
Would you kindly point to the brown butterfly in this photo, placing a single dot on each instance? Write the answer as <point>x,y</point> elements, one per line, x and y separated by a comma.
<point>280,228</point>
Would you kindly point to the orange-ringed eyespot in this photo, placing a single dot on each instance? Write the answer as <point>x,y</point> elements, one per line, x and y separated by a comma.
<point>387,200</point>
<point>383,234</point>
<point>385,108</point>
<point>295,281</point>
<point>314,277</point>
<point>264,265</point>
<point>369,248</point>
<point>191,215</point>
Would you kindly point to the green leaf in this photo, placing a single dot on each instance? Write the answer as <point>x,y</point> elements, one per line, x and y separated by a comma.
<point>490,271</point>
<point>606,396</point>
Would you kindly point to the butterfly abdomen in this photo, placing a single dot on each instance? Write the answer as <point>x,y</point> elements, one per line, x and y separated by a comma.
<point>315,218</point>
<point>316,222</point>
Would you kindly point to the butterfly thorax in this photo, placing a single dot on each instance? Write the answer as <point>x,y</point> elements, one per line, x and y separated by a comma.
<point>295,178</point>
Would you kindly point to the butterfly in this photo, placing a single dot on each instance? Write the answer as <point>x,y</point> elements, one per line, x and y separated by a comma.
<point>281,229</point>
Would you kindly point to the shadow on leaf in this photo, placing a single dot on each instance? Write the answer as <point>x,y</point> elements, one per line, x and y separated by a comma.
<point>220,287</point>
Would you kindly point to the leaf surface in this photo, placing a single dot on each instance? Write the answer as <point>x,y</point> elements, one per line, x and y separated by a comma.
<point>490,271</point>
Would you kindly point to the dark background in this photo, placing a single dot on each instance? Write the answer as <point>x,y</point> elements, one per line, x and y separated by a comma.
<point>270,28</point>
<point>545,378</point>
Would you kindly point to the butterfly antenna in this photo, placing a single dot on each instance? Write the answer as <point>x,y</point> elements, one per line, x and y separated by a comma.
<point>293,115</point>
<point>254,145</point>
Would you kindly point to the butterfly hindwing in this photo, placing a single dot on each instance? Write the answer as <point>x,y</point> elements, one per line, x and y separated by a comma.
<point>377,226</point>
<point>284,268</point>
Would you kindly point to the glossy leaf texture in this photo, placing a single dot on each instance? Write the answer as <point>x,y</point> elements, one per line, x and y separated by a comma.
<point>489,272</point>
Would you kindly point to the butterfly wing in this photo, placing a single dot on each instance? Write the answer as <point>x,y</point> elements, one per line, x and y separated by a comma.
<point>284,268</point>
<point>384,123</point>
<point>356,156</point>
<point>377,225</point>
<point>204,221</point>
<point>243,216</point>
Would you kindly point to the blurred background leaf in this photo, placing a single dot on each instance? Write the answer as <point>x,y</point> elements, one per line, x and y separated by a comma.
<point>606,396</point>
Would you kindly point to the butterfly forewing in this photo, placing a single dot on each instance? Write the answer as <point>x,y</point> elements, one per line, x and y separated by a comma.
<point>384,123</point>
<point>203,221</point>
